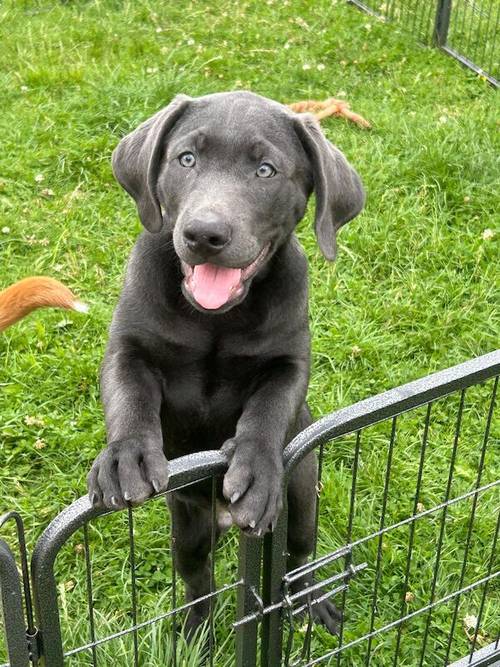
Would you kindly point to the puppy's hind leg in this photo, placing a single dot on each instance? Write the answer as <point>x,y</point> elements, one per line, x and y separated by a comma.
<point>302,499</point>
<point>192,540</point>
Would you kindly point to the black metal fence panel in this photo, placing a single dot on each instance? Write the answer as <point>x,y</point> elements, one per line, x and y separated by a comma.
<point>106,589</point>
<point>465,29</point>
<point>16,607</point>
<point>406,545</point>
<point>473,36</point>
<point>11,604</point>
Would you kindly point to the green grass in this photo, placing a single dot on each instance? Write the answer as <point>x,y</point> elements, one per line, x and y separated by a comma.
<point>472,30</point>
<point>413,289</point>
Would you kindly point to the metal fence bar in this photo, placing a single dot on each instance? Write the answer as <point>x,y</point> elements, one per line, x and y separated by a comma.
<point>442,22</point>
<point>42,573</point>
<point>486,32</point>
<point>352,504</point>
<point>13,614</point>
<point>484,657</point>
<point>495,35</point>
<point>471,24</point>
<point>131,542</point>
<point>411,536</point>
<point>443,523</point>
<point>213,539</point>
<point>273,571</point>
<point>23,554</point>
<point>90,592</point>
<point>307,640</point>
<point>485,589</point>
<point>472,515</point>
<point>407,617</point>
<point>468,63</point>
<point>391,403</point>
<point>464,6</point>
<point>380,538</point>
<point>342,551</point>
<point>431,510</point>
<point>174,594</point>
<point>31,636</point>
<point>365,8</point>
<point>249,567</point>
<point>151,621</point>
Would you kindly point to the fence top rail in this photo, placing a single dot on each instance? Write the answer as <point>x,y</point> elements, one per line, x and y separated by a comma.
<point>390,404</point>
<point>200,465</point>
<point>183,471</point>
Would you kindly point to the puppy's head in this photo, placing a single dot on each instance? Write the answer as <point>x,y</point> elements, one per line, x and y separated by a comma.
<point>231,173</point>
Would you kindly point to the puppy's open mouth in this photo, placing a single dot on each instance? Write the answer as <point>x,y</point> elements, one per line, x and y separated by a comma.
<point>213,286</point>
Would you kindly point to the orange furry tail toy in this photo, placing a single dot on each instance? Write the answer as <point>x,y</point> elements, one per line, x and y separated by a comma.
<point>21,298</point>
<point>329,107</point>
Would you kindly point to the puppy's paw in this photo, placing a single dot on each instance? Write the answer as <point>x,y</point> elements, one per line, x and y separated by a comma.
<point>126,473</point>
<point>326,613</point>
<point>323,611</point>
<point>253,486</point>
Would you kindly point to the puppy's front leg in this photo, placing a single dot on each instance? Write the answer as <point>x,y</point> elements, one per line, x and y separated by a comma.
<point>253,482</point>
<point>133,466</point>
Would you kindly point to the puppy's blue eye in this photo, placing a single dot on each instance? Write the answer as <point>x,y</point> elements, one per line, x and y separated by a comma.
<point>265,170</point>
<point>187,159</point>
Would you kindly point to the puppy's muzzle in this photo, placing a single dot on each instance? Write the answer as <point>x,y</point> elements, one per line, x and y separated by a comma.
<point>206,236</point>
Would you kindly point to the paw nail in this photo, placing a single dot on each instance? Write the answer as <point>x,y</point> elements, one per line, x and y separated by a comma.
<point>252,524</point>
<point>156,485</point>
<point>235,497</point>
<point>94,498</point>
<point>127,496</point>
<point>114,501</point>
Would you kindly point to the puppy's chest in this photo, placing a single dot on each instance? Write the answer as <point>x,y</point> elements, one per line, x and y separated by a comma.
<point>212,378</point>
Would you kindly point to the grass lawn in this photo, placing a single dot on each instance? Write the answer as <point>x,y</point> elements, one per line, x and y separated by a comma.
<point>413,289</point>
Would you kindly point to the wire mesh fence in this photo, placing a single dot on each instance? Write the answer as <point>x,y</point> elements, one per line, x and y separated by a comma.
<point>411,583</point>
<point>407,536</point>
<point>407,530</point>
<point>119,570</point>
<point>465,29</point>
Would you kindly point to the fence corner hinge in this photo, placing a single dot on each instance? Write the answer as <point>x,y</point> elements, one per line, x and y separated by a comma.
<point>35,645</point>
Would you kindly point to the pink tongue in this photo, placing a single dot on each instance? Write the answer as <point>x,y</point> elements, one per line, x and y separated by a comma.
<point>211,285</point>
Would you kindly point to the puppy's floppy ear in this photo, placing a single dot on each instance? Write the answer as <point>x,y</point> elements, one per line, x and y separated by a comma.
<point>137,159</point>
<point>339,192</point>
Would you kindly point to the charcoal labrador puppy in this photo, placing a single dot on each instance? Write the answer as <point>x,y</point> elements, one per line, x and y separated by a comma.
<point>209,346</point>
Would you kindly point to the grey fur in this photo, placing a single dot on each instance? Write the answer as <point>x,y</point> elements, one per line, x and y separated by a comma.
<point>178,378</point>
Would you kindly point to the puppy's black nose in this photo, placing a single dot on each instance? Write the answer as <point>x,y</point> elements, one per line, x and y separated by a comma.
<point>208,235</point>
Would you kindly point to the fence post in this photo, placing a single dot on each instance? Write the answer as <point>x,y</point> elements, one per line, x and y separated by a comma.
<point>11,603</point>
<point>42,574</point>
<point>249,557</point>
<point>442,22</point>
<point>273,571</point>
